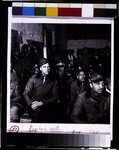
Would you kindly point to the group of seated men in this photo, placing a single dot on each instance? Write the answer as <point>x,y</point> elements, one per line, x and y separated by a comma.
<point>61,97</point>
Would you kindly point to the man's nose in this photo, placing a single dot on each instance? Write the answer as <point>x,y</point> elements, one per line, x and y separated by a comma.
<point>48,68</point>
<point>101,86</point>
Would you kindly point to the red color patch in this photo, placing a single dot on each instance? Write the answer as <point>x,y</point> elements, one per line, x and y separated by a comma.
<point>69,12</point>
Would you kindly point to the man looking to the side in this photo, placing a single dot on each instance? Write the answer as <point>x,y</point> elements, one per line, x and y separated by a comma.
<point>93,105</point>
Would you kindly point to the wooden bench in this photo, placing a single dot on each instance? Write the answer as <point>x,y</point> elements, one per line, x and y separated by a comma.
<point>25,118</point>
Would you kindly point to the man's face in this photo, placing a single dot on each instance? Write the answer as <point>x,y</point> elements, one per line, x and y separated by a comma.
<point>45,69</point>
<point>13,85</point>
<point>98,87</point>
<point>61,71</point>
<point>81,76</point>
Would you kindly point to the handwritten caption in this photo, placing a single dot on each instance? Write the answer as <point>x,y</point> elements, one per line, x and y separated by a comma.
<point>41,129</point>
<point>53,129</point>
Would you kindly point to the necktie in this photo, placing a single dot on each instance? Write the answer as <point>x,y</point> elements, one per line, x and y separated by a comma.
<point>44,79</point>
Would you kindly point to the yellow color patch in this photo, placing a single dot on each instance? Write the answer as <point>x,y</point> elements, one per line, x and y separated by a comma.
<point>51,11</point>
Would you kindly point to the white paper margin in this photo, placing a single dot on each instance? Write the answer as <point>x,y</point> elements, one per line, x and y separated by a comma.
<point>59,128</point>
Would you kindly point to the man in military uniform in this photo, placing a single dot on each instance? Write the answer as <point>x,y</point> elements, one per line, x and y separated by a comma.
<point>16,103</point>
<point>78,86</point>
<point>93,105</point>
<point>40,94</point>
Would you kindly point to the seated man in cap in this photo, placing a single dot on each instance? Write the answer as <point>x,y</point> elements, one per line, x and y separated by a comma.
<point>63,83</point>
<point>40,94</point>
<point>92,106</point>
<point>78,86</point>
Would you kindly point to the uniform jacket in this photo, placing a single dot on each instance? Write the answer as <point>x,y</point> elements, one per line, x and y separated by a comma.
<point>37,91</point>
<point>91,109</point>
<point>15,94</point>
<point>76,88</point>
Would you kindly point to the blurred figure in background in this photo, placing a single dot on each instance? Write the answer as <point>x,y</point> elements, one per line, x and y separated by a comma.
<point>70,57</point>
<point>63,91</point>
<point>85,58</point>
<point>69,74</point>
<point>16,103</point>
<point>79,61</point>
<point>24,66</point>
<point>35,56</point>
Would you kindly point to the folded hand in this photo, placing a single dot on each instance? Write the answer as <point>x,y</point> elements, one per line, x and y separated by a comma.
<point>36,104</point>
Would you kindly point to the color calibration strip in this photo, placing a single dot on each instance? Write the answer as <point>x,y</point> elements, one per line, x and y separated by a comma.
<point>64,140</point>
<point>64,9</point>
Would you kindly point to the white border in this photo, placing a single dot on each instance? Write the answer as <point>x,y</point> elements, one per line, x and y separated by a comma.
<point>112,76</point>
<point>60,128</point>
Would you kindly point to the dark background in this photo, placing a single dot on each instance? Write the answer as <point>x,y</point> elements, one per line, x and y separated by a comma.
<point>3,68</point>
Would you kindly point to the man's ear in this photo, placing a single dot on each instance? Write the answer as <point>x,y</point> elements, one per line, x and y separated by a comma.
<point>40,68</point>
<point>90,85</point>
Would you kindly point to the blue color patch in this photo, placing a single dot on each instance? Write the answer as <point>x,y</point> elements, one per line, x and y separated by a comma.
<point>28,11</point>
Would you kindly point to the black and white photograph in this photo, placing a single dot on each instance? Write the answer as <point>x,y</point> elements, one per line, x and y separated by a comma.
<point>60,75</point>
<point>60,82</point>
